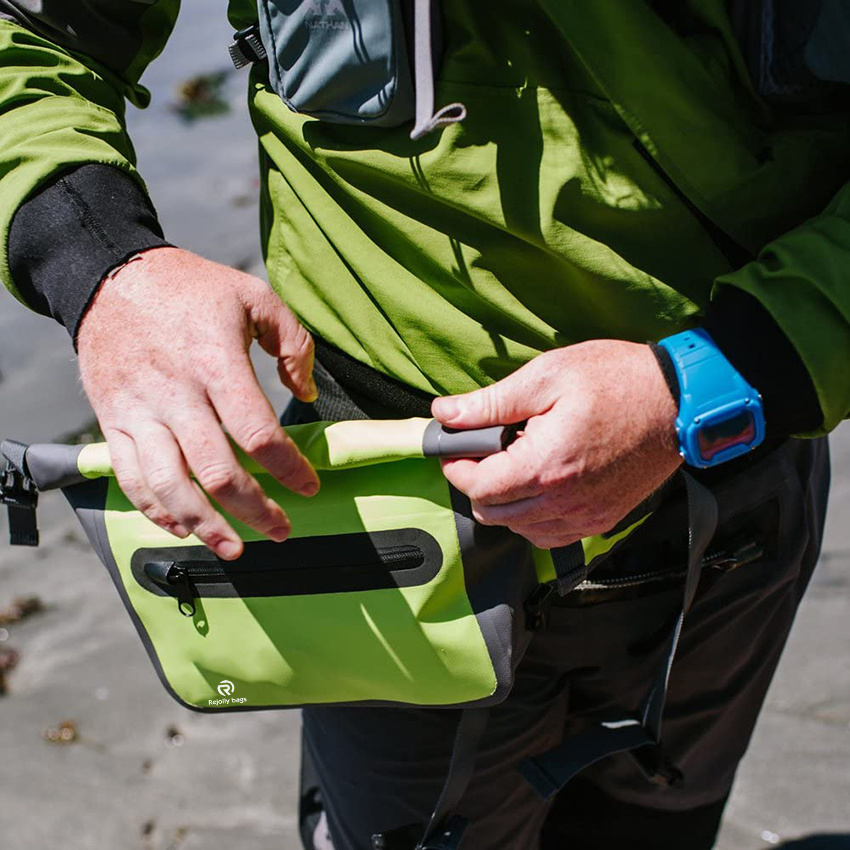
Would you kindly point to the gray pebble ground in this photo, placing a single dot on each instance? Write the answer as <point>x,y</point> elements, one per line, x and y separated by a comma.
<point>145,773</point>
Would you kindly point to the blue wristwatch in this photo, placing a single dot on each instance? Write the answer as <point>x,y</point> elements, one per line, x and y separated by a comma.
<point>720,414</point>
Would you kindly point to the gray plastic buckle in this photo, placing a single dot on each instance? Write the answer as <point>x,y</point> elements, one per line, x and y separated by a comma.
<point>247,47</point>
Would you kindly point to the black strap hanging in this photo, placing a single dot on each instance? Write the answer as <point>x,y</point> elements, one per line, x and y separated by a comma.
<point>20,495</point>
<point>549,772</point>
<point>445,828</point>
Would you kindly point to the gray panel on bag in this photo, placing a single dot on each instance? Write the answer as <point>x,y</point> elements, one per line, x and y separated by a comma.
<point>500,575</point>
<point>52,465</point>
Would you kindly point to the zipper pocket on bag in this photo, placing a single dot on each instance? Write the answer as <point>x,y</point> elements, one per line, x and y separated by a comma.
<point>309,565</point>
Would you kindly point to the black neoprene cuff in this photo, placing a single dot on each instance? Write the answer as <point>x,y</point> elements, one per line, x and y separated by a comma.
<point>76,229</point>
<point>756,346</point>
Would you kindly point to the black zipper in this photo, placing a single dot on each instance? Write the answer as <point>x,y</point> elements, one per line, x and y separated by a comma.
<point>326,564</point>
<point>735,253</point>
<point>724,560</point>
<point>397,557</point>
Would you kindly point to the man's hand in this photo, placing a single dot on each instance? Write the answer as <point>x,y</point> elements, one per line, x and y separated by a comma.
<point>164,361</point>
<point>600,438</point>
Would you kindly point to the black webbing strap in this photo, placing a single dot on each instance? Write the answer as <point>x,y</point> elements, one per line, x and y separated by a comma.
<point>445,828</point>
<point>570,568</point>
<point>20,495</point>
<point>549,772</point>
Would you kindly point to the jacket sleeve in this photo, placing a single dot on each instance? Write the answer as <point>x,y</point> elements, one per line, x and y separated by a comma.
<point>802,279</point>
<point>66,162</point>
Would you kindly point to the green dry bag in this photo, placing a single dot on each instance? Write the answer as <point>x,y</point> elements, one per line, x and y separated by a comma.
<point>387,592</point>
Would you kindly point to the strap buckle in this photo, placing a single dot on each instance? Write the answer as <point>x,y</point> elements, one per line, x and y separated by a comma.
<point>20,495</point>
<point>448,837</point>
<point>537,607</point>
<point>401,838</point>
<point>247,47</point>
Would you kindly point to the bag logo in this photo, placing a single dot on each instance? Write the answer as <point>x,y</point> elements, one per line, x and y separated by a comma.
<point>326,15</point>
<point>226,688</point>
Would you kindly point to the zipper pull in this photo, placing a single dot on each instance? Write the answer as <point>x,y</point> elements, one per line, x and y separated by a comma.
<point>178,577</point>
<point>19,493</point>
<point>169,574</point>
<point>726,561</point>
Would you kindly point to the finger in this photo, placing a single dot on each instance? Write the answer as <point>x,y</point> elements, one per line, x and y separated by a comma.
<point>551,534</point>
<point>522,394</point>
<point>284,337</point>
<point>167,476</point>
<point>216,468</point>
<point>498,479</point>
<point>131,480</point>
<point>522,511</point>
<point>246,413</point>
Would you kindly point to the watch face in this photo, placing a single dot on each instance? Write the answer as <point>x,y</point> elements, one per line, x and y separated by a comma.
<point>715,437</point>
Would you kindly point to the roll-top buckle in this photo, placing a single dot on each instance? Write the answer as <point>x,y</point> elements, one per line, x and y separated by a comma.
<point>20,495</point>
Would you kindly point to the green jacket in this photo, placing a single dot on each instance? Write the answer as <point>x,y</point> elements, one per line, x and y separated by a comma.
<point>567,206</point>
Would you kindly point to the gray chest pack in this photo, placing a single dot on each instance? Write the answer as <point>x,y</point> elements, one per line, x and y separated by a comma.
<point>368,62</point>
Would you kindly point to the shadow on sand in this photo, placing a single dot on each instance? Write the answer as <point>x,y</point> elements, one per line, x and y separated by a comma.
<point>831,841</point>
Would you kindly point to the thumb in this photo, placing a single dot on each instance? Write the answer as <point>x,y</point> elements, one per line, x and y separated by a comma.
<point>510,400</point>
<point>284,337</point>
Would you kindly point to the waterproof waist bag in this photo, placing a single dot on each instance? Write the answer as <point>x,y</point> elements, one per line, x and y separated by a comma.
<point>349,61</point>
<point>387,592</point>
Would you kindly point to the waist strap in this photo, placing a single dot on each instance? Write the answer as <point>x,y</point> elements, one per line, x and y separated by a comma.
<point>349,389</point>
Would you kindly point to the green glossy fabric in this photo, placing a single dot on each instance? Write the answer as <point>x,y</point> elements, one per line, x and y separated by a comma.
<point>419,645</point>
<point>536,223</point>
<point>326,445</point>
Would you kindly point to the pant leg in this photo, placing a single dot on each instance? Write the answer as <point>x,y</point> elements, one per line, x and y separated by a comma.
<point>383,768</point>
<point>585,818</point>
<point>730,646</point>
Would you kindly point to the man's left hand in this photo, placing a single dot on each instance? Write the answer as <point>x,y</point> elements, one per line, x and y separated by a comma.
<point>600,438</point>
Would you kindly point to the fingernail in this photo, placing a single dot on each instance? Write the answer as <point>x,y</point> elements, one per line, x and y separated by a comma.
<point>280,533</point>
<point>448,407</point>
<point>179,531</point>
<point>310,488</point>
<point>229,550</point>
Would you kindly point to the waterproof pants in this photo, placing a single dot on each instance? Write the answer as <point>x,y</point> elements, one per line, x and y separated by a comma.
<point>374,769</point>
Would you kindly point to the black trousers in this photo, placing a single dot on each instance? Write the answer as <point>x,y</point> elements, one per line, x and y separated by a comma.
<point>373,769</point>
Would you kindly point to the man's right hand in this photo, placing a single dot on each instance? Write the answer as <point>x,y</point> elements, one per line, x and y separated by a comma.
<point>163,354</point>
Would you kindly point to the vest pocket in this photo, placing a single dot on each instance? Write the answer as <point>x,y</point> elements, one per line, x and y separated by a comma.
<point>344,61</point>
